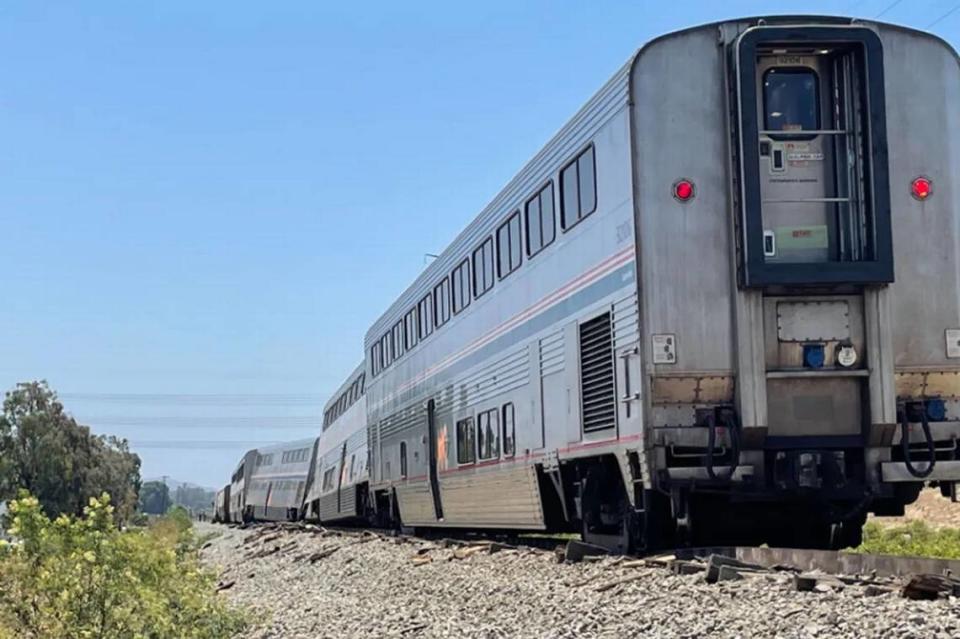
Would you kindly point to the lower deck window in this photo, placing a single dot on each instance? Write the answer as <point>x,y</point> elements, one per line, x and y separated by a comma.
<point>466,444</point>
<point>488,434</point>
<point>509,431</point>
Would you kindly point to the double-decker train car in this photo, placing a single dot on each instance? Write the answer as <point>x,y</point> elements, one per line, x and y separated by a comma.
<point>721,305</point>
<point>337,491</point>
<point>221,505</point>
<point>278,481</point>
<point>239,482</point>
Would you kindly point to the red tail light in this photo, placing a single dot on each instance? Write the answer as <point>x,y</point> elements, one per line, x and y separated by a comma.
<point>683,190</point>
<point>921,188</point>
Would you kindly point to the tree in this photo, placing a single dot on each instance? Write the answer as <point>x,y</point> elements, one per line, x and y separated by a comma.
<point>154,497</point>
<point>45,451</point>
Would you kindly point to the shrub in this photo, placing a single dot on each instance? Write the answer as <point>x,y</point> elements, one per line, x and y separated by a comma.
<point>81,577</point>
<point>913,539</point>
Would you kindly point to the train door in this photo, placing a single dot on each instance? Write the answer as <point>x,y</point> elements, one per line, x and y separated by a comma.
<point>432,459</point>
<point>343,471</point>
<point>816,245</point>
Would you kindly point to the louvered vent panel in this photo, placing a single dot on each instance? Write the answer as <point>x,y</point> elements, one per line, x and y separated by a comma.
<point>597,388</point>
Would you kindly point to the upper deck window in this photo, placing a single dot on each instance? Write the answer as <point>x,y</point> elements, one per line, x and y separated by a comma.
<point>791,99</point>
<point>578,189</point>
<point>441,303</point>
<point>508,246</point>
<point>460,290</point>
<point>541,226</point>
<point>483,268</point>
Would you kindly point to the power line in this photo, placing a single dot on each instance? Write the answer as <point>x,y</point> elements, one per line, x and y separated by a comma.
<point>198,399</point>
<point>890,6</point>
<point>199,445</point>
<point>944,16</point>
<point>275,422</point>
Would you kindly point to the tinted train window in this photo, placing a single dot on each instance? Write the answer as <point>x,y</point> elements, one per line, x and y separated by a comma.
<point>578,189</point>
<point>398,343</point>
<point>483,268</point>
<point>508,246</point>
<point>425,316</point>
<point>488,434</point>
<point>441,303</point>
<point>541,227</point>
<point>509,431</point>
<point>403,459</point>
<point>466,447</point>
<point>387,350</point>
<point>791,100</point>
<point>460,286</point>
<point>411,332</point>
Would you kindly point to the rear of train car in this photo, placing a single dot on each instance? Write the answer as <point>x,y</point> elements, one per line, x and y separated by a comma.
<point>722,303</point>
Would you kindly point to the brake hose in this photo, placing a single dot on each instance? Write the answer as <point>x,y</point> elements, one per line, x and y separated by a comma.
<point>732,424</point>
<point>905,442</point>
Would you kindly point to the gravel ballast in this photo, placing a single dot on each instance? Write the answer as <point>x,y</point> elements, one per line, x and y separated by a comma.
<point>316,583</point>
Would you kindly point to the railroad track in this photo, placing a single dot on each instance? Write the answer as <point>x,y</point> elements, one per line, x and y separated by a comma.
<point>916,577</point>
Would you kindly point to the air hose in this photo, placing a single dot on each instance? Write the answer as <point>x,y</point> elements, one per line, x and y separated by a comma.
<point>905,441</point>
<point>732,424</point>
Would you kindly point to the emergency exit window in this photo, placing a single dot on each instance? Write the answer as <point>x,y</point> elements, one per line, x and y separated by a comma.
<point>791,100</point>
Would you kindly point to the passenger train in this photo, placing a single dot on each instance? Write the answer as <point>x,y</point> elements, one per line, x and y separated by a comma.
<point>721,305</point>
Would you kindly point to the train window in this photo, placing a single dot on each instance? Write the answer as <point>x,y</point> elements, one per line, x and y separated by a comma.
<point>441,303</point>
<point>488,434</point>
<point>509,431</point>
<point>353,459</point>
<point>460,286</point>
<point>399,346</point>
<point>791,99</point>
<point>387,350</point>
<point>541,226</point>
<point>578,189</point>
<point>483,268</point>
<point>466,445</point>
<point>375,362</point>
<point>425,316</point>
<point>410,328</point>
<point>403,459</point>
<point>508,246</point>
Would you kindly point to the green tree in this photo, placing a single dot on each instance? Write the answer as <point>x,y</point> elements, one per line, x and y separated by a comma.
<point>45,451</point>
<point>83,577</point>
<point>154,497</point>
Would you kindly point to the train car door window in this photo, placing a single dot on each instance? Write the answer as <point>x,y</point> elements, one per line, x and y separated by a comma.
<point>791,100</point>
<point>403,460</point>
<point>509,431</point>
<point>466,443</point>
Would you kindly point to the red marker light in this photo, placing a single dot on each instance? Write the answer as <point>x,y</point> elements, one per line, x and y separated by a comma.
<point>683,190</point>
<point>921,188</point>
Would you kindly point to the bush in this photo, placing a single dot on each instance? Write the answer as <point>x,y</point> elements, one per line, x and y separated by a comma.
<point>915,539</point>
<point>76,577</point>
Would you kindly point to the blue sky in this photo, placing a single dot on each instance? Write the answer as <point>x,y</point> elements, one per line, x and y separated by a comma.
<point>204,204</point>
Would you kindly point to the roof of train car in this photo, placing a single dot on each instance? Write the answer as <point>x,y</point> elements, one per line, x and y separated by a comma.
<point>357,371</point>
<point>510,197</point>
<point>284,446</point>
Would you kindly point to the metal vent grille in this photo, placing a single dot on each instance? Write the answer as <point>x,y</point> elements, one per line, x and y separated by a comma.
<point>597,387</point>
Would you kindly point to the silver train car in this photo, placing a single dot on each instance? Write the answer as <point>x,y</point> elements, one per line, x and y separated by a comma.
<point>278,481</point>
<point>239,482</point>
<point>339,476</point>
<point>221,505</point>
<point>721,304</point>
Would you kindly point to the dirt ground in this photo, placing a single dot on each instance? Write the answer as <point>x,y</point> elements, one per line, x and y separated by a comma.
<point>931,507</point>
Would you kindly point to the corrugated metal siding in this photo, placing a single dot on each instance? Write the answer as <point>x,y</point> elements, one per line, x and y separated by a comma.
<point>492,498</point>
<point>552,353</point>
<point>416,504</point>
<point>626,321</point>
